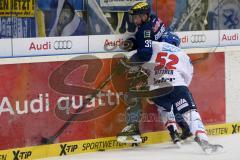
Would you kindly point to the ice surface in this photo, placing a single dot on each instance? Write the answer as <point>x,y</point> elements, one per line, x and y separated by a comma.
<point>166,151</point>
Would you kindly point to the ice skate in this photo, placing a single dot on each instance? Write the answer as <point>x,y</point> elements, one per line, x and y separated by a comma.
<point>176,138</point>
<point>130,134</point>
<point>209,148</point>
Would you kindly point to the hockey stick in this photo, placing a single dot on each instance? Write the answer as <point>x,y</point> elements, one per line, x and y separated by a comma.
<point>51,139</point>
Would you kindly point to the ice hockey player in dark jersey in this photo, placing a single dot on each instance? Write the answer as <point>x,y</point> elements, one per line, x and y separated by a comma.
<point>150,28</point>
<point>170,67</point>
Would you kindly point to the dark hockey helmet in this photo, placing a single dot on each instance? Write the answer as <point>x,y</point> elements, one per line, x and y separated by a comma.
<point>140,8</point>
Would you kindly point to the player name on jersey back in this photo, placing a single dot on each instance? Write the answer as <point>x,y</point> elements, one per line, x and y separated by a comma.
<point>168,66</point>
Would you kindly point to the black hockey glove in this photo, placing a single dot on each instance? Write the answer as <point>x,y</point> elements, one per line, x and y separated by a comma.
<point>125,66</point>
<point>129,44</point>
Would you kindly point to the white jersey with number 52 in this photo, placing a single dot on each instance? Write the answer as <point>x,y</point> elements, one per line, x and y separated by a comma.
<point>169,65</point>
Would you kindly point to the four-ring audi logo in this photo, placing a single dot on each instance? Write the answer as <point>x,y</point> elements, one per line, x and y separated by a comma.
<point>60,45</point>
<point>198,38</point>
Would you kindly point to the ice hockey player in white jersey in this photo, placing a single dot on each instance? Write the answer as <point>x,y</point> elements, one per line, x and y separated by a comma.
<point>170,72</point>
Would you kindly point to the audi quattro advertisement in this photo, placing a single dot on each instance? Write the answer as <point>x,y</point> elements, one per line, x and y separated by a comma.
<point>50,46</point>
<point>29,101</point>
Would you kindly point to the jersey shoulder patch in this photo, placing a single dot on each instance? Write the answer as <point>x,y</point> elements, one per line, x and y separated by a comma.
<point>147,34</point>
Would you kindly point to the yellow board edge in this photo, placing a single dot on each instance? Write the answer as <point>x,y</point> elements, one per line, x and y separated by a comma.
<point>93,145</point>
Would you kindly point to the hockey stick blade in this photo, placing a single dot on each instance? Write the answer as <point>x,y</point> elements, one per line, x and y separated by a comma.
<point>45,140</point>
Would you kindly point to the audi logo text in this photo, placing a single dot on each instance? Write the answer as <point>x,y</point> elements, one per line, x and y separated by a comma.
<point>60,45</point>
<point>198,38</point>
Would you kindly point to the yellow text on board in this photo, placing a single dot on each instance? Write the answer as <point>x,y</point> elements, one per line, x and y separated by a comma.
<point>17,8</point>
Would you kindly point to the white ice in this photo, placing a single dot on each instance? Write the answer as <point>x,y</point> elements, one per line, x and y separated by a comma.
<point>166,151</point>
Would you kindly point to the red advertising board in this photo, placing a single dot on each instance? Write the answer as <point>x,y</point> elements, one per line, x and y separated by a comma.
<point>34,99</point>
